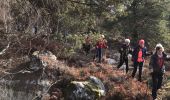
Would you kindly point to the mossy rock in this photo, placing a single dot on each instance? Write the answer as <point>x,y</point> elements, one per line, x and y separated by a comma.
<point>92,89</point>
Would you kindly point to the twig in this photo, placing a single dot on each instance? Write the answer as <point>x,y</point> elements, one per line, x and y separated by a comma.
<point>3,51</point>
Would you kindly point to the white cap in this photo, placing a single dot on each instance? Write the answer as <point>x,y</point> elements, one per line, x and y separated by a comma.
<point>159,45</point>
<point>103,36</point>
<point>127,41</point>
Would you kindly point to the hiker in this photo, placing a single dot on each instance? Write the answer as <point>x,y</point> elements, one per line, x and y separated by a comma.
<point>125,49</point>
<point>157,68</point>
<point>87,45</point>
<point>138,56</point>
<point>100,46</point>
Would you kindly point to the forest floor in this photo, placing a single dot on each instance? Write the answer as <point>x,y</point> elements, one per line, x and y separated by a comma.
<point>118,84</point>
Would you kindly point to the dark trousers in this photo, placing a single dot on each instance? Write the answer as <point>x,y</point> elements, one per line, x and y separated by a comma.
<point>156,83</point>
<point>122,60</point>
<point>99,54</point>
<point>136,64</point>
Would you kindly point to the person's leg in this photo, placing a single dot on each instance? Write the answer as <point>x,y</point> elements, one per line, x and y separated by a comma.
<point>103,54</point>
<point>100,54</point>
<point>88,49</point>
<point>140,71</point>
<point>154,86</point>
<point>121,62</point>
<point>96,54</point>
<point>127,66</point>
<point>134,69</point>
<point>85,48</point>
<point>160,78</point>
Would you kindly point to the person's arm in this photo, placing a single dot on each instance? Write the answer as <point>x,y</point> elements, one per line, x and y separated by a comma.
<point>130,50</point>
<point>105,43</point>
<point>121,49</point>
<point>133,54</point>
<point>151,65</point>
<point>167,57</point>
<point>97,44</point>
<point>90,40</point>
<point>148,53</point>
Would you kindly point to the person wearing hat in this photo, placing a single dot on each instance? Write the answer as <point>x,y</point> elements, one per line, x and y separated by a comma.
<point>87,44</point>
<point>100,45</point>
<point>157,68</point>
<point>124,50</point>
<point>138,56</point>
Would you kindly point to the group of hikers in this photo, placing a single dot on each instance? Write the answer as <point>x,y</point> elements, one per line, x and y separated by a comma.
<point>156,65</point>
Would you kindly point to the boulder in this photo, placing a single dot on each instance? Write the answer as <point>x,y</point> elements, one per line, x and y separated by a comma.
<point>116,56</point>
<point>41,59</point>
<point>91,89</point>
<point>111,61</point>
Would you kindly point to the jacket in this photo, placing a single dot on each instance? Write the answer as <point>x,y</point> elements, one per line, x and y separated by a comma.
<point>136,51</point>
<point>154,63</point>
<point>124,51</point>
<point>101,44</point>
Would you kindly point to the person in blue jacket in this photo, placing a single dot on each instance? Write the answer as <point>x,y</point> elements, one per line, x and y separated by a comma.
<point>138,58</point>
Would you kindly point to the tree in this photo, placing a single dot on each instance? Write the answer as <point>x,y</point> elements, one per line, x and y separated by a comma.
<point>147,19</point>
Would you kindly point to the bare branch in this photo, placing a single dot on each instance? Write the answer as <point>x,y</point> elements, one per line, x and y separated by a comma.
<point>3,51</point>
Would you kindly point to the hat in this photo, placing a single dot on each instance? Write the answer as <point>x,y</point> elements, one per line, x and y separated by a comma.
<point>141,41</point>
<point>103,36</point>
<point>127,40</point>
<point>160,46</point>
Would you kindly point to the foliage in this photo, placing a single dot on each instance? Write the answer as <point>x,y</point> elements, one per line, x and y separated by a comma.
<point>148,19</point>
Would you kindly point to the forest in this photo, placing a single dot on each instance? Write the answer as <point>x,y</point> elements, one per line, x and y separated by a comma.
<point>42,54</point>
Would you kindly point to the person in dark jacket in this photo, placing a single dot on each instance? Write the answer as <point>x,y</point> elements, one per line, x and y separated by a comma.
<point>125,49</point>
<point>87,45</point>
<point>138,56</point>
<point>157,68</point>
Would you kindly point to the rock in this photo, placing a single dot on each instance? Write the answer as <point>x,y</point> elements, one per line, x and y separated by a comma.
<point>129,56</point>
<point>44,83</point>
<point>40,60</point>
<point>91,89</point>
<point>99,83</point>
<point>123,67</point>
<point>94,69</point>
<point>111,61</point>
<point>45,96</point>
<point>116,56</point>
<point>117,79</point>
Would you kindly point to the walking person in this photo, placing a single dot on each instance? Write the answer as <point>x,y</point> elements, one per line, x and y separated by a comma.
<point>157,69</point>
<point>100,45</point>
<point>87,45</point>
<point>138,58</point>
<point>125,49</point>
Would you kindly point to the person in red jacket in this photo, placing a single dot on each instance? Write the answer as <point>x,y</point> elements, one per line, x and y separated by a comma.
<point>100,45</point>
<point>138,58</point>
